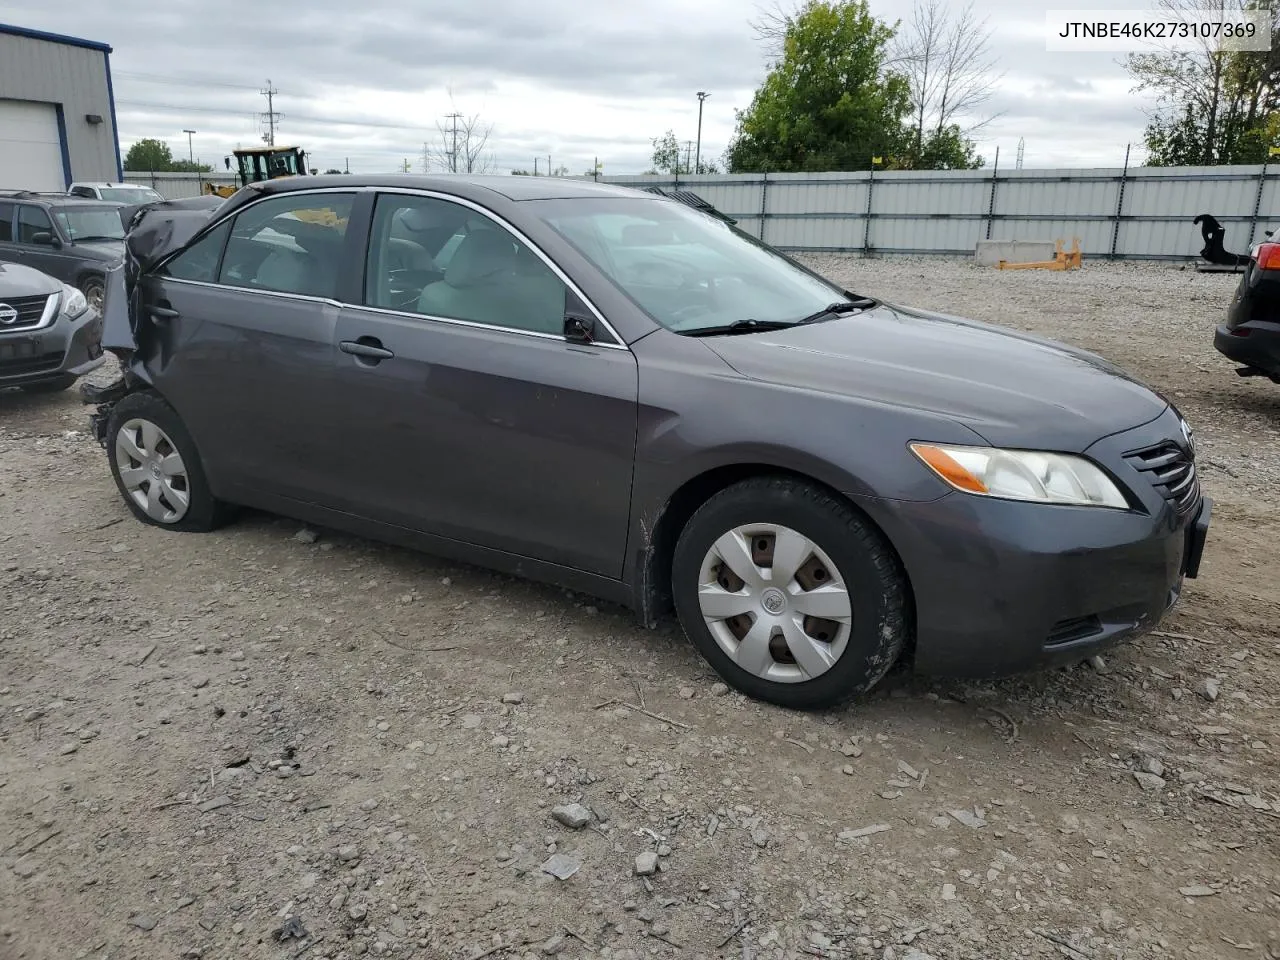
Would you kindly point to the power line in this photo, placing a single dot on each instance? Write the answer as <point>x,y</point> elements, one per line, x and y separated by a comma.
<point>270,116</point>
<point>453,151</point>
<point>174,81</point>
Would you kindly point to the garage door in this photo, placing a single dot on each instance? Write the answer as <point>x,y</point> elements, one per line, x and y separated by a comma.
<point>30,147</point>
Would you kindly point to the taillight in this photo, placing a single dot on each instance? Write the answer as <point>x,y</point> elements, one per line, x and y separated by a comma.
<point>1269,256</point>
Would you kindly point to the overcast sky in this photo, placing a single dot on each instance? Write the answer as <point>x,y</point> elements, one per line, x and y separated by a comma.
<point>365,82</point>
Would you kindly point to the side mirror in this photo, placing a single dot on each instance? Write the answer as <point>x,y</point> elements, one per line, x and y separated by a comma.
<point>579,328</point>
<point>45,239</point>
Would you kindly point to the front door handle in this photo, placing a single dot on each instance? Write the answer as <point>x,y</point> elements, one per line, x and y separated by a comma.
<point>369,347</point>
<point>164,313</point>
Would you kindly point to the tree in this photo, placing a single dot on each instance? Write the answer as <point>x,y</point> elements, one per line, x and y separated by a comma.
<point>333,170</point>
<point>189,166</point>
<point>670,158</point>
<point>149,155</point>
<point>945,57</point>
<point>462,147</point>
<point>1214,105</point>
<point>828,103</point>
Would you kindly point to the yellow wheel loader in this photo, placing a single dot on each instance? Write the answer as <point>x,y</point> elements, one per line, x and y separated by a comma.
<point>255,164</point>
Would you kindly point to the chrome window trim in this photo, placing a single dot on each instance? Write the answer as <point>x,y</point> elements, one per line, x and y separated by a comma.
<point>406,314</point>
<point>620,343</point>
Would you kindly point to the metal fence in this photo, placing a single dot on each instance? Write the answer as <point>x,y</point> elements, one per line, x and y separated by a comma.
<point>176,186</point>
<point>1121,213</point>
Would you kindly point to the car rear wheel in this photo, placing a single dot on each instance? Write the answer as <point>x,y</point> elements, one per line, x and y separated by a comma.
<point>94,291</point>
<point>157,468</point>
<point>790,594</point>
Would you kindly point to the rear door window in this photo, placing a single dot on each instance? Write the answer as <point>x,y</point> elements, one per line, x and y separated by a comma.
<point>32,220</point>
<point>289,244</point>
<point>6,222</point>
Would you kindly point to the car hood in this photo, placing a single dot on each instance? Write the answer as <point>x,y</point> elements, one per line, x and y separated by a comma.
<point>1012,389</point>
<point>19,281</point>
<point>100,249</point>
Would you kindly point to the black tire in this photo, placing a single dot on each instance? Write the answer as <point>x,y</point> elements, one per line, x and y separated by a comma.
<point>94,289</point>
<point>870,569</point>
<point>53,385</point>
<point>204,512</point>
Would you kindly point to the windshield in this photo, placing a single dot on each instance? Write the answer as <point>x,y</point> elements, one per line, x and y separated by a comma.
<point>91,223</point>
<point>129,194</point>
<point>686,269</point>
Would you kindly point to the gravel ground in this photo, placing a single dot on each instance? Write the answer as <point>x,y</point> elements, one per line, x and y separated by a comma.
<point>257,744</point>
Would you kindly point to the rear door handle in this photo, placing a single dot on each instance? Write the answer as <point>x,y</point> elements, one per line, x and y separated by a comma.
<point>164,313</point>
<point>364,348</point>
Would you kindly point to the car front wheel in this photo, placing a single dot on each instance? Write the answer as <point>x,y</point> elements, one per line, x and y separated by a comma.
<point>94,291</point>
<point>790,594</point>
<point>157,468</point>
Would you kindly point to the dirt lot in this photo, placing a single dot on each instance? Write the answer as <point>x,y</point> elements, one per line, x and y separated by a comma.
<point>202,737</point>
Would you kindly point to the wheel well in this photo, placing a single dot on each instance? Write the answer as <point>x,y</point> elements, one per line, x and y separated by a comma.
<point>693,494</point>
<point>86,275</point>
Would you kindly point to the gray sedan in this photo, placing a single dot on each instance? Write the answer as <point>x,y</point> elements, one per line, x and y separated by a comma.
<point>613,392</point>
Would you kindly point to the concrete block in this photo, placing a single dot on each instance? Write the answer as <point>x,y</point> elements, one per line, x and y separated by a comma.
<point>990,252</point>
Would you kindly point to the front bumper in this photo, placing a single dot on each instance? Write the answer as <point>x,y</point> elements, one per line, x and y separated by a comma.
<point>1259,349</point>
<point>1003,587</point>
<point>65,347</point>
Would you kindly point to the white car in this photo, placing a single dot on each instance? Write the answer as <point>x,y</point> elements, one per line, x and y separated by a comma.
<point>129,193</point>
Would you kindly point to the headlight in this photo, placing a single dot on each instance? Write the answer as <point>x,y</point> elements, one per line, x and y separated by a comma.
<point>1022,475</point>
<point>73,302</point>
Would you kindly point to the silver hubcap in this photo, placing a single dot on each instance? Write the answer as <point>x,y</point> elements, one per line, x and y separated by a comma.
<point>775,603</point>
<point>95,295</point>
<point>152,471</point>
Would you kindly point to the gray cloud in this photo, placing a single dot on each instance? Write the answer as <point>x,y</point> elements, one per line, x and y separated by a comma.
<point>367,81</point>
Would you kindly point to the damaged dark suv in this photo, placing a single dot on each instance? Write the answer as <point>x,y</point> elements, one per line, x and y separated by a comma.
<point>620,394</point>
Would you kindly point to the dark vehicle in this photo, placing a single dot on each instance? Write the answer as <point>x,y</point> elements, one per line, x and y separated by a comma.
<point>49,335</point>
<point>616,393</point>
<point>70,238</point>
<point>1251,335</point>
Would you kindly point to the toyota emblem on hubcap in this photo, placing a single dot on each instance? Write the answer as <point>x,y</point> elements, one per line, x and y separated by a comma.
<point>773,600</point>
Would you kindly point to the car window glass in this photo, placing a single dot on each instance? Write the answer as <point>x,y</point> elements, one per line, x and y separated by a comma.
<point>6,222</point>
<point>91,223</point>
<point>289,244</point>
<point>687,269</point>
<point>442,259</point>
<point>32,220</point>
<point>200,260</point>
<point>81,192</point>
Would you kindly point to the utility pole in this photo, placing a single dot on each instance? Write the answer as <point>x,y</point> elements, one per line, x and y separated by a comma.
<point>191,157</point>
<point>702,96</point>
<point>550,169</point>
<point>688,156</point>
<point>453,152</point>
<point>346,164</point>
<point>535,166</point>
<point>595,168</point>
<point>270,116</point>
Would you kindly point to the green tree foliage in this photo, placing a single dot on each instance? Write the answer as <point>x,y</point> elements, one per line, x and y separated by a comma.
<point>671,158</point>
<point>149,155</point>
<point>154,156</point>
<point>828,102</point>
<point>333,170</point>
<point>1215,106</point>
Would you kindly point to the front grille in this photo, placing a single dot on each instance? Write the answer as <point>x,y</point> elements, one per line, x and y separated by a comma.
<point>1171,471</point>
<point>21,366</point>
<point>30,311</point>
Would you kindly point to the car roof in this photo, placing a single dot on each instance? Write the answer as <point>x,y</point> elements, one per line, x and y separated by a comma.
<point>111,183</point>
<point>54,199</point>
<point>472,186</point>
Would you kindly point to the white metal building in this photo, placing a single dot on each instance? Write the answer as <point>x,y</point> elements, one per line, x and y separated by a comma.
<point>57,111</point>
